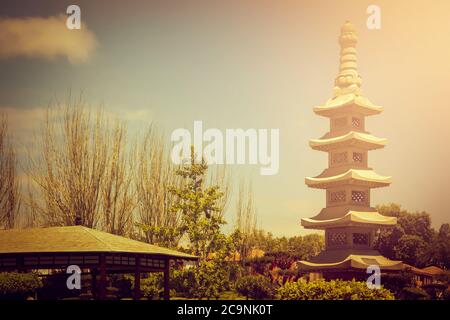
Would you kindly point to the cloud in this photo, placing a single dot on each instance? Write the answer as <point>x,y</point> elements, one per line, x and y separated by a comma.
<point>45,38</point>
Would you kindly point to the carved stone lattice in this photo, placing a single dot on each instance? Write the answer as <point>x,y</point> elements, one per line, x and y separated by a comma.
<point>357,157</point>
<point>358,196</point>
<point>337,238</point>
<point>337,196</point>
<point>356,122</point>
<point>361,238</point>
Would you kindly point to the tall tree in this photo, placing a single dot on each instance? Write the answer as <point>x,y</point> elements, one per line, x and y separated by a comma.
<point>155,174</point>
<point>245,221</point>
<point>410,240</point>
<point>118,192</point>
<point>9,182</point>
<point>199,207</point>
<point>71,167</point>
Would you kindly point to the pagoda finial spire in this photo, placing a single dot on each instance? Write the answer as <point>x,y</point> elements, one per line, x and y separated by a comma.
<point>348,79</point>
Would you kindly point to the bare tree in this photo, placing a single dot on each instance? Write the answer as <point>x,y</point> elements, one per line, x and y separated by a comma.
<point>246,220</point>
<point>155,173</point>
<point>72,165</point>
<point>9,183</point>
<point>118,192</point>
<point>219,175</point>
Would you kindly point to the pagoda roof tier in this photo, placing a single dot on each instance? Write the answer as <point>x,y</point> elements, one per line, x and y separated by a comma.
<point>352,138</point>
<point>367,178</point>
<point>347,259</point>
<point>352,218</point>
<point>351,102</point>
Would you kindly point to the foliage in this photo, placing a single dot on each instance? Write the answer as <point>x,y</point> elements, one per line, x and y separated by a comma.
<point>183,282</point>
<point>412,293</point>
<point>446,295</point>
<point>396,282</point>
<point>283,252</point>
<point>152,287</point>
<point>255,287</point>
<point>440,255</point>
<point>19,286</point>
<point>199,207</point>
<point>413,240</point>
<point>331,290</point>
<point>435,290</point>
<point>207,280</point>
<point>410,249</point>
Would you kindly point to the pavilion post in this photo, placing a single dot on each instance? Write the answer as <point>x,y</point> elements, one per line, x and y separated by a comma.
<point>102,282</point>
<point>137,279</point>
<point>94,283</point>
<point>166,279</point>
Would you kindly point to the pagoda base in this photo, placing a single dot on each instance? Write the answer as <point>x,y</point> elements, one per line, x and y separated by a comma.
<point>348,260</point>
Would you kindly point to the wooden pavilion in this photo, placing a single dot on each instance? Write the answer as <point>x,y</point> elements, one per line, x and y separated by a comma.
<point>100,252</point>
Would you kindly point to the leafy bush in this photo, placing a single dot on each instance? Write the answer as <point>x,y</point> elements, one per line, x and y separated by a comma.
<point>331,290</point>
<point>415,294</point>
<point>184,282</point>
<point>207,280</point>
<point>19,286</point>
<point>152,287</point>
<point>395,282</point>
<point>255,287</point>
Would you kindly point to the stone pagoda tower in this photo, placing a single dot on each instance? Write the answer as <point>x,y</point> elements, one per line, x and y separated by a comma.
<point>350,223</point>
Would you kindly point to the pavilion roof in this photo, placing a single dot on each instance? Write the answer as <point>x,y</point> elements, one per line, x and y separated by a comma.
<point>352,218</point>
<point>363,177</point>
<point>76,239</point>
<point>352,138</point>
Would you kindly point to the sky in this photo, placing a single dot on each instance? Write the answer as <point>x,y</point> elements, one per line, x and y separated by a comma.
<point>247,64</point>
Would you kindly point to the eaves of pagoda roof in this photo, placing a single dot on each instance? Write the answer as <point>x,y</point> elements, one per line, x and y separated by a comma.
<point>348,103</point>
<point>367,178</point>
<point>352,138</point>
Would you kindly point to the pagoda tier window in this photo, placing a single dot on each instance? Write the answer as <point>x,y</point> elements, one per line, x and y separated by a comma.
<point>356,122</point>
<point>339,158</point>
<point>337,196</point>
<point>337,238</point>
<point>361,239</point>
<point>357,157</point>
<point>359,196</point>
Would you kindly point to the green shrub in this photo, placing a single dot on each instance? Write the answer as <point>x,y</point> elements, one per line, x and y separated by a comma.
<point>184,282</point>
<point>152,287</point>
<point>395,282</point>
<point>331,290</point>
<point>255,287</point>
<point>19,286</point>
<point>415,294</point>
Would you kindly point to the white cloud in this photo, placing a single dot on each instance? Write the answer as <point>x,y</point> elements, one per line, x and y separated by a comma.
<point>45,38</point>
